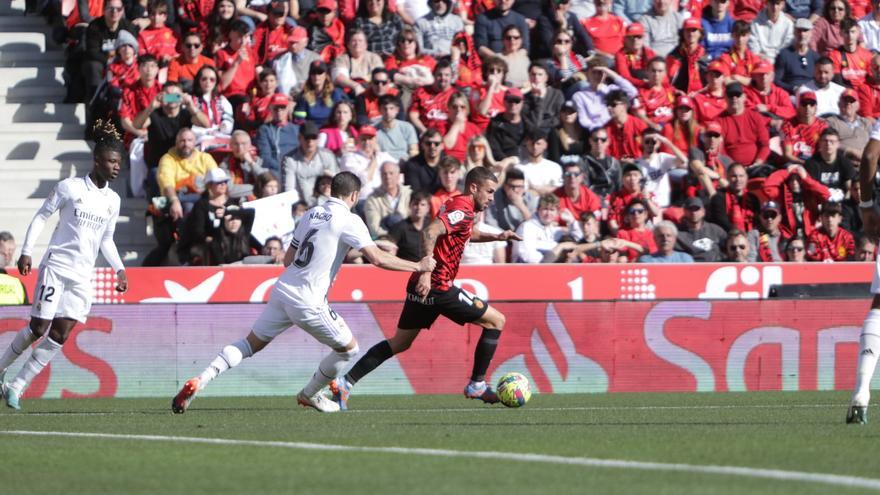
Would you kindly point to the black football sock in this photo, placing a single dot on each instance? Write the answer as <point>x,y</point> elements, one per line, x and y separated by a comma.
<point>377,355</point>
<point>484,352</point>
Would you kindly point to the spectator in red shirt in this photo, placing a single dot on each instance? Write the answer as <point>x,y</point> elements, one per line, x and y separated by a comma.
<point>733,207</point>
<point>183,69</point>
<point>711,100</point>
<point>768,99</point>
<point>139,95</point>
<point>869,93</point>
<point>327,32</point>
<point>429,104</point>
<point>657,96</point>
<point>851,60</point>
<point>624,130</point>
<point>606,29</point>
<point>739,59</point>
<point>256,112</point>
<point>683,131</point>
<point>461,130</point>
<point>746,10</point>
<point>800,197</point>
<point>122,71</point>
<point>366,104</point>
<point>638,237</point>
<point>488,99</point>
<point>158,40</point>
<point>746,138</point>
<point>631,189</point>
<point>689,59</point>
<point>575,198</point>
<point>270,36</point>
<point>632,61</point>
<point>831,242</point>
<point>802,132</point>
<point>449,173</point>
<point>237,63</point>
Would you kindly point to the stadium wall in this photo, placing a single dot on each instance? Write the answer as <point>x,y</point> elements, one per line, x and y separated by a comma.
<point>564,347</point>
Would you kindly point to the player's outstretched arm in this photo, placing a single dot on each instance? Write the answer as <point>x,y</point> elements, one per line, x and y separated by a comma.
<point>507,235</point>
<point>390,262</point>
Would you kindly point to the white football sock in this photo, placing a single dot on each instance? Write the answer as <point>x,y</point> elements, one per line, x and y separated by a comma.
<point>23,339</point>
<point>229,357</point>
<point>329,368</point>
<point>43,353</point>
<point>869,351</point>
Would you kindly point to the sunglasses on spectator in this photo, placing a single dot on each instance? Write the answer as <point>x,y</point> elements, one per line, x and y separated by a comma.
<point>381,82</point>
<point>434,143</point>
<point>769,215</point>
<point>192,45</point>
<point>636,211</point>
<point>808,103</point>
<point>796,249</point>
<point>599,139</point>
<point>114,9</point>
<point>571,174</point>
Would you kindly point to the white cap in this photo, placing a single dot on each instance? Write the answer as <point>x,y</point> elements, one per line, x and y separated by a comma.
<point>216,175</point>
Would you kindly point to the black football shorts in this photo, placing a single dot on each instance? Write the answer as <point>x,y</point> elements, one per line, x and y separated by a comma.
<point>457,305</point>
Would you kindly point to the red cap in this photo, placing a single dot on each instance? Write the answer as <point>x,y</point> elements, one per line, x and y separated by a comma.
<point>513,93</point>
<point>763,67</point>
<point>326,4</point>
<point>635,29</point>
<point>367,131</point>
<point>279,100</point>
<point>714,128</point>
<point>692,23</point>
<point>298,33</point>
<point>684,101</point>
<point>807,96</point>
<point>719,66</point>
<point>849,93</point>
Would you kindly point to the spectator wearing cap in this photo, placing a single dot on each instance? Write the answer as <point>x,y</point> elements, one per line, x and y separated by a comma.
<point>389,203</point>
<point>772,30</point>
<point>826,29</point>
<point>733,207</point>
<point>632,61</point>
<point>449,174</point>
<point>796,63</point>
<point>319,95</point>
<point>870,26</point>
<point>277,138</point>
<point>157,39</point>
<point>489,28</point>
<point>851,60</point>
<point>379,24</point>
<point>460,130</point>
<point>122,71</point>
<point>512,204</point>
<point>365,160</point>
<point>203,223</point>
<point>661,168</point>
<point>708,163</point>
<point>850,125</point>
<point>661,26</point>
<point>606,29</point>
<point>717,23</point>
<point>593,111</point>
<point>396,137</point>
<point>739,58</point>
<point>737,247</point>
<point>540,234</point>
<point>326,32</point>
<point>293,67</point>
<point>767,241</point>
<point>575,198</point>
<point>689,59</point>
<point>242,164</point>
<point>237,63</point>
<point>568,138</point>
<point>356,70</point>
<point>831,167</point>
<point>657,97</point>
<point>603,171</point>
<point>429,106</point>
<point>801,134</point>
<point>666,239</point>
<point>437,28</point>
<point>683,131</point>
<point>507,130</point>
<point>308,161</point>
<point>541,103</point>
<point>702,240</point>
<point>799,196</point>
<point>746,138</point>
<point>768,99</point>
<point>624,130</point>
<point>869,93</point>
<point>631,189</point>
<point>830,242</point>
<point>711,100</point>
<point>184,68</point>
<point>542,175</point>
<point>631,11</point>
<point>556,17</point>
<point>826,91</point>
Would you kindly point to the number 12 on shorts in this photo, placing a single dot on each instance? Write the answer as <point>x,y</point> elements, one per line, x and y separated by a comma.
<point>46,293</point>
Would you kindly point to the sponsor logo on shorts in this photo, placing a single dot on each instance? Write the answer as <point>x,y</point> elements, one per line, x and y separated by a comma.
<point>427,301</point>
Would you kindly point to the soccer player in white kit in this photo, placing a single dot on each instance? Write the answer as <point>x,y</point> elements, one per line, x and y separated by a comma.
<point>320,242</point>
<point>869,340</point>
<point>88,210</point>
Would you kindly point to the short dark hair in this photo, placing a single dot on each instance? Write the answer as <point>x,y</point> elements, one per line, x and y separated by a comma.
<point>273,238</point>
<point>344,183</point>
<point>615,97</point>
<point>740,28</point>
<point>448,162</point>
<point>6,236</point>
<point>240,27</point>
<point>419,196</point>
<point>479,176</point>
<point>824,61</point>
<point>432,132</point>
<point>145,58</point>
<point>266,72</point>
<point>379,70</point>
<point>832,208</point>
<point>848,23</point>
<point>829,131</point>
<point>514,174</point>
<point>389,99</point>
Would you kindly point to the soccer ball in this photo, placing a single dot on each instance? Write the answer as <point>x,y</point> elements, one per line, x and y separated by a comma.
<point>513,390</point>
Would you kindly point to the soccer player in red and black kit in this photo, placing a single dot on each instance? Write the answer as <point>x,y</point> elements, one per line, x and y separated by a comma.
<point>432,294</point>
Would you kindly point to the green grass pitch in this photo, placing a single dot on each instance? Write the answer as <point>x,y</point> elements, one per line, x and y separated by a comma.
<point>799,432</point>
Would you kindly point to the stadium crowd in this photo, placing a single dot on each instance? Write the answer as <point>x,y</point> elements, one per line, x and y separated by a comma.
<point>621,131</point>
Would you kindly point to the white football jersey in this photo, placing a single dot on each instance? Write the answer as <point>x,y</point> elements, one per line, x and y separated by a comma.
<point>322,238</point>
<point>87,220</point>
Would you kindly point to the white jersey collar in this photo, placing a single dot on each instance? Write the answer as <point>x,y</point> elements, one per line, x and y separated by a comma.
<point>92,185</point>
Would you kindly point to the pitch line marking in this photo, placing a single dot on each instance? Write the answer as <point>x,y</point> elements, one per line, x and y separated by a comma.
<point>774,474</point>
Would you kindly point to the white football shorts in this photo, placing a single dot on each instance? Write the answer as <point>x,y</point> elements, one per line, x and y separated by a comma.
<point>320,321</point>
<point>56,297</point>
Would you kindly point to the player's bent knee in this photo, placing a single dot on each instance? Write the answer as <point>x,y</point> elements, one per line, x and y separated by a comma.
<point>348,352</point>
<point>39,326</point>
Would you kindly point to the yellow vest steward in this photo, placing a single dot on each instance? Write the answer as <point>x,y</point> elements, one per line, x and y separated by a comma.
<point>11,291</point>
